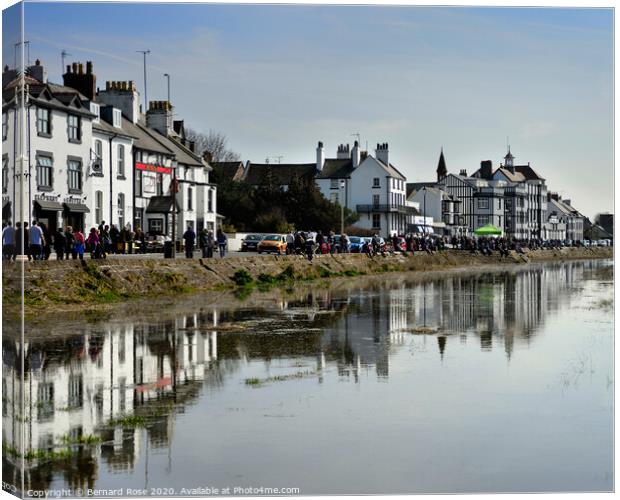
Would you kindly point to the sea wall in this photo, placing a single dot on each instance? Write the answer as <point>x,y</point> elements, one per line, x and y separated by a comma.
<point>75,283</point>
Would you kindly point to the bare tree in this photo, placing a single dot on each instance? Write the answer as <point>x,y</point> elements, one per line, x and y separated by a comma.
<point>216,143</point>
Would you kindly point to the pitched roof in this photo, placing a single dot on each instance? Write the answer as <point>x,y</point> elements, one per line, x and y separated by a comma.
<point>335,168</point>
<point>182,153</point>
<point>228,170</point>
<point>256,173</point>
<point>143,140</point>
<point>391,170</point>
<point>412,187</point>
<point>516,177</point>
<point>104,127</point>
<point>161,204</point>
<point>529,173</point>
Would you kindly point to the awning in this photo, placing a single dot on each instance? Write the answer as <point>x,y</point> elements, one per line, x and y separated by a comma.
<point>76,207</point>
<point>160,205</point>
<point>48,205</point>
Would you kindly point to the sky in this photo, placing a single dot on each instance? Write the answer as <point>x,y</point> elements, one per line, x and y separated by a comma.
<point>276,79</point>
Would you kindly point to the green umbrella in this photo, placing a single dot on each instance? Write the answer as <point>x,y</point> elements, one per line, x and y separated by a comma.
<point>488,230</point>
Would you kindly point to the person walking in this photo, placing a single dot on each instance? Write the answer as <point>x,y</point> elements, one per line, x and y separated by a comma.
<point>131,235</point>
<point>114,237</point>
<point>47,241</point>
<point>189,237</point>
<point>222,241</point>
<point>202,241</point>
<point>79,243</point>
<point>290,243</point>
<point>69,243</point>
<point>60,243</point>
<point>122,240</point>
<point>8,242</point>
<point>93,243</point>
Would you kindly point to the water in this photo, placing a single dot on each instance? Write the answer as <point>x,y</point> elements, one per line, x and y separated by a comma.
<point>493,382</point>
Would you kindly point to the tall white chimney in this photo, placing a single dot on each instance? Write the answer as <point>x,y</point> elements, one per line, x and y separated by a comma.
<point>320,157</point>
<point>356,154</point>
<point>382,153</point>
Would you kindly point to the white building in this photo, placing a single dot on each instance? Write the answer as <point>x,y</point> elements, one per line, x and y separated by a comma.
<point>57,147</point>
<point>366,184</point>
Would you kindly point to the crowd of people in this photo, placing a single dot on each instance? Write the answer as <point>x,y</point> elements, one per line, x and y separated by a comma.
<point>37,241</point>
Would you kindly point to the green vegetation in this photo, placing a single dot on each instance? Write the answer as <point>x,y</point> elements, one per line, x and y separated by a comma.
<point>242,278</point>
<point>84,439</point>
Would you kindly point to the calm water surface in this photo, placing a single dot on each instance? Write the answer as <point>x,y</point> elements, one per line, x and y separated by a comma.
<point>496,382</point>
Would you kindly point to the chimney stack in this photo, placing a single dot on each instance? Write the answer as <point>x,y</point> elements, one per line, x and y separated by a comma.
<point>159,117</point>
<point>383,153</point>
<point>355,154</point>
<point>123,96</point>
<point>85,83</point>
<point>463,173</point>
<point>343,152</point>
<point>486,169</point>
<point>320,157</point>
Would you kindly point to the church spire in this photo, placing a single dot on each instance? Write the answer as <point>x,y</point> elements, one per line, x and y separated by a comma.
<point>442,171</point>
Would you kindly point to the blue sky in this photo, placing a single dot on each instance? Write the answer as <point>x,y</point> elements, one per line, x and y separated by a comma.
<point>277,79</point>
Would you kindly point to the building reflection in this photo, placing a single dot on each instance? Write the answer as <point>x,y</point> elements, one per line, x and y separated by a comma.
<point>109,394</point>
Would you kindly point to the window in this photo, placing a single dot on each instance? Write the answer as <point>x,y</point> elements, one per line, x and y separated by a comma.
<point>5,174</point>
<point>375,200</point>
<point>121,161</point>
<point>5,126</point>
<point>189,198</point>
<point>483,220</point>
<point>43,121</point>
<point>376,182</point>
<point>121,346</point>
<point>483,203</point>
<point>499,221</point>
<point>98,206</point>
<point>98,150</point>
<point>376,221</point>
<point>508,205</point>
<point>156,226</point>
<point>44,173</point>
<point>210,201</point>
<point>499,203</point>
<point>333,184</point>
<point>116,118</point>
<point>75,391</point>
<point>73,128</point>
<point>160,184</point>
<point>121,210</point>
<point>45,401</point>
<point>74,171</point>
<point>333,197</point>
<point>95,110</point>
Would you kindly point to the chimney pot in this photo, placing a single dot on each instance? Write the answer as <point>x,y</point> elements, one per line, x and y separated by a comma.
<point>81,68</point>
<point>89,67</point>
<point>74,67</point>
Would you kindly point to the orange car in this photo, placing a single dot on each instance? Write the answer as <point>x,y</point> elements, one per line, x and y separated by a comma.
<point>273,243</point>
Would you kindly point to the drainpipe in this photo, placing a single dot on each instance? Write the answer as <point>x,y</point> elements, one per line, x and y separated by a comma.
<point>111,169</point>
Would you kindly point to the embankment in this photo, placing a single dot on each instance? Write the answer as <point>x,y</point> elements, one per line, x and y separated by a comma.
<point>73,284</point>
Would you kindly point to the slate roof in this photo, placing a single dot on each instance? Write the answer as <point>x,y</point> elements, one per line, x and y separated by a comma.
<point>528,172</point>
<point>160,204</point>
<point>182,153</point>
<point>335,168</point>
<point>144,140</point>
<point>516,177</point>
<point>256,173</point>
<point>392,170</point>
<point>104,127</point>
<point>412,187</point>
<point>228,170</point>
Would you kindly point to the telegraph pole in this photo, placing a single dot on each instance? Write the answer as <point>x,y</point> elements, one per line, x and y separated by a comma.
<point>144,53</point>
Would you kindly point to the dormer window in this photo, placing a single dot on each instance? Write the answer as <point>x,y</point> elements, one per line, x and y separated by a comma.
<point>116,118</point>
<point>43,122</point>
<point>94,109</point>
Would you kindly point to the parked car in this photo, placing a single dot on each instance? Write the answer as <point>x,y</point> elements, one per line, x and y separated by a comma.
<point>355,244</point>
<point>272,243</point>
<point>155,243</point>
<point>250,242</point>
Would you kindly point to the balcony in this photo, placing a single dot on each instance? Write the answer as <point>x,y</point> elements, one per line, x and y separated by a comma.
<point>399,209</point>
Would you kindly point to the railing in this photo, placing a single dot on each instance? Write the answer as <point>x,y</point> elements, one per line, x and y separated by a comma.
<point>401,209</point>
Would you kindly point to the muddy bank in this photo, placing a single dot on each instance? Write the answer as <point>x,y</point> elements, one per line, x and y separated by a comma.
<point>66,285</point>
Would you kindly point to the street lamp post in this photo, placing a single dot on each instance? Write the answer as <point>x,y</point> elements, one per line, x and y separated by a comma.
<point>424,189</point>
<point>342,186</point>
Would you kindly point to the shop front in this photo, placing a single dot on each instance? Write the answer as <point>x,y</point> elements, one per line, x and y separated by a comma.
<point>47,210</point>
<point>74,212</point>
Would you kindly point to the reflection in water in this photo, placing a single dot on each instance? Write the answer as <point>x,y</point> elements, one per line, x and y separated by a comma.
<point>100,398</point>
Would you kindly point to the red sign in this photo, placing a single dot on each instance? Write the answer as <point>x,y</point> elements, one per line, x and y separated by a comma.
<point>153,168</point>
